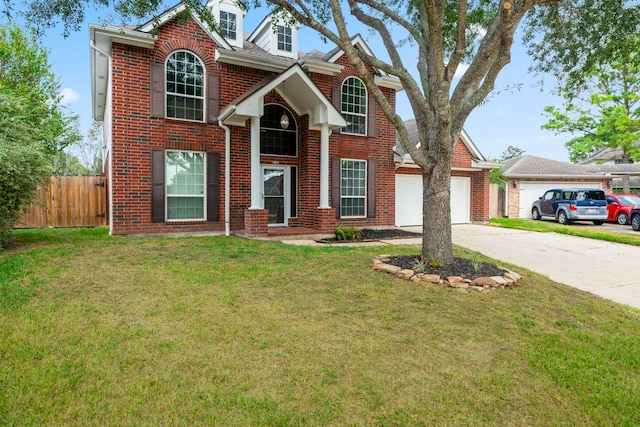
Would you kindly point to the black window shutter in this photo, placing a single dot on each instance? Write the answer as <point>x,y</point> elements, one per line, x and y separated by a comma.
<point>157,185</point>
<point>335,184</point>
<point>157,90</point>
<point>336,99</point>
<point>213,97</point>
<point>371,117</point>
<point>213,186</point>
<point>371,188</point>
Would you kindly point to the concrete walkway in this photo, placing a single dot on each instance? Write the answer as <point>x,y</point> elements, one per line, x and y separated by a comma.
<point>610,270</point>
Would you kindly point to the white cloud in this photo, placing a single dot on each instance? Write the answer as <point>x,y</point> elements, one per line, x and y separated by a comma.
<point>69,96</point>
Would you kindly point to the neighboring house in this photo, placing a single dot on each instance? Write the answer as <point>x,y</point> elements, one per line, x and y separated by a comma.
<point>528,177</point>
<point>610,156</point>
<point>219,132</point>
<point>470,182</point>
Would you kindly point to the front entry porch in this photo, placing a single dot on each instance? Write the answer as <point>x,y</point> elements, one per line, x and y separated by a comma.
<point>256,224</point>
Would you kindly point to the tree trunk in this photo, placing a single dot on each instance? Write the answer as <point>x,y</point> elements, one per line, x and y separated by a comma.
<point>436,215</point>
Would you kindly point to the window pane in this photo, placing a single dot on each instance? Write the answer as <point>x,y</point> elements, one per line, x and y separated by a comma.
<point>185,180</point>
<point>274,139</point>
<point>354,106</point>
<point>353,188</point>
<point>185,208</point>
<point>185,86</point>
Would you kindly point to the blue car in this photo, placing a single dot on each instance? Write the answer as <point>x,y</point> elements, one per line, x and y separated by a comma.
<point>572,204</point>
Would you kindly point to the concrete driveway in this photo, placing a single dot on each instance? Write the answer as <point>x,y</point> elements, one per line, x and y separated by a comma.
<point>610,270</point>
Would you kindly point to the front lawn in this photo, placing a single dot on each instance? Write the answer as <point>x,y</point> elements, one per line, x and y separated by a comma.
<point>99,330</point>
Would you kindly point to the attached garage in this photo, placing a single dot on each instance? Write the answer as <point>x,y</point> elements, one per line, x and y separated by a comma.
<point>530,191</point>
<point>409,200</point>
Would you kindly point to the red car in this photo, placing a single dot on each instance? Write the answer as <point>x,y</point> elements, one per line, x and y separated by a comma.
<point>619,205</point>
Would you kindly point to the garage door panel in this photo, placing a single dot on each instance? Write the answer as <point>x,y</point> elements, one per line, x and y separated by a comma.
<point>409,200</point>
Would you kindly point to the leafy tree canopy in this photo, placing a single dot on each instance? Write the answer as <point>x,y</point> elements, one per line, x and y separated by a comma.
<point>25,72</point>
<point>573,39</point>
<point>23,162</point>
<point>606,117</point>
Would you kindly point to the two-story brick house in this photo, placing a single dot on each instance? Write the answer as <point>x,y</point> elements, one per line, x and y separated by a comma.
<point>228,131</point>
<point>212,131</point>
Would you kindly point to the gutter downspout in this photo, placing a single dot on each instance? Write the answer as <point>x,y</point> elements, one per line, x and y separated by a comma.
<point>92,45</point>
<point>227,173</point>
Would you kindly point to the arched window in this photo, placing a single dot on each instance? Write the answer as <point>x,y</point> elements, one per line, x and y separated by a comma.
<point>354,106</point>
<point>185,86</point>
<point>278,136</point>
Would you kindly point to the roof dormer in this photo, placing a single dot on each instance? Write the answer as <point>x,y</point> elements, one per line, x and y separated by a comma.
<point>229,15</point>
<point>277,36</point>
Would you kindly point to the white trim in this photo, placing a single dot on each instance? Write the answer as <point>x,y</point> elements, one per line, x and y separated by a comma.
<point>166,192</point>
<point>366,189</point>
<point>366,107</point>
<point>203,98</point>
<point>286,191</point>
<point>172,13</point>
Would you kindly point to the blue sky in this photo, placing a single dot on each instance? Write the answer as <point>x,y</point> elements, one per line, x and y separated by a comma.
<point>509,117</point>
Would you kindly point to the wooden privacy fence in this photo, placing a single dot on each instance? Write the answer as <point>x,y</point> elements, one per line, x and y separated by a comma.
<point>68,201</point>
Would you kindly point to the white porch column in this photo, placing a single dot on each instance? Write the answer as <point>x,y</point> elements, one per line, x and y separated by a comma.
<point>324,166</point>
<point>256,170</point>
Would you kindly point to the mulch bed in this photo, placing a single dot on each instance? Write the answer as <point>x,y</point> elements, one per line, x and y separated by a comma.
<point>460,267</point>
<point>368,235</point>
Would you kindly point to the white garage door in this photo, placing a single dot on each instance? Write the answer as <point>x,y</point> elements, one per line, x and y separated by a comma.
<point>530,191</point>
<point>409,200</point>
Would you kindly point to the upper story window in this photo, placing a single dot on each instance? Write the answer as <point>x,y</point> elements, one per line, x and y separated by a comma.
<point>354,106</point>
<point>185,86</point>
<point>274,139</point>
<point>285,40</point>
<point>228,24</point>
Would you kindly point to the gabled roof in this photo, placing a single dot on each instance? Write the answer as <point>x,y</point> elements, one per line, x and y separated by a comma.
<point>167,16</point>
<point>478,160</point>
<point>528,166</point>
<point>297,89</point>
<point>251,55</point>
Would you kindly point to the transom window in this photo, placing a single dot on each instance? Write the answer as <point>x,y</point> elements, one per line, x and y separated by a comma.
<point>284,39</point>
<point>228,24</point>
<point>353,188</point>
<point>354,106</point>
<point>185,181</point>
<point>274,139</point>
<point>185,86</point>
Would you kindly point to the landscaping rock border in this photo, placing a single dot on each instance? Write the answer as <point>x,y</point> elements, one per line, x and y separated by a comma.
<point>508,280</point>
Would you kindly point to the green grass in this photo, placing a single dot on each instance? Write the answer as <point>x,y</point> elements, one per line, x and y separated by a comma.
<point>99,330</point>
<point>576,229</point>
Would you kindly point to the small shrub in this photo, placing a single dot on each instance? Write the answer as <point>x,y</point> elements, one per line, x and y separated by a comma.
<point>347,232</point>
<point>434,262</point>
<point>419,265</point>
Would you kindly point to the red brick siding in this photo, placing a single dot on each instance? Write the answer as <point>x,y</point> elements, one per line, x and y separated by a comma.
<point>135,133</point>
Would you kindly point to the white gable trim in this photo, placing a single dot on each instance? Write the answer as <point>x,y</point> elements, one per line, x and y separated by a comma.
<point>172,13</point>
<point>298,91</point>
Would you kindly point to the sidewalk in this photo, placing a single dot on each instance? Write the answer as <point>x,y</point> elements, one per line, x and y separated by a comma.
<point>607,269</point>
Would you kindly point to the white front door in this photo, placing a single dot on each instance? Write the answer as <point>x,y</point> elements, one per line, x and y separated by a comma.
<point>275,191</point>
